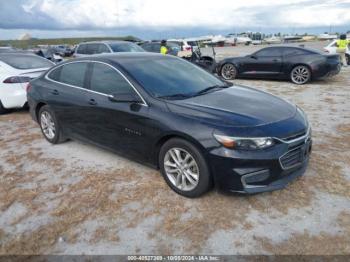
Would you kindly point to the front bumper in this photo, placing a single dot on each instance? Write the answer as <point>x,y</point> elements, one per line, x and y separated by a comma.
<point>255,172</point>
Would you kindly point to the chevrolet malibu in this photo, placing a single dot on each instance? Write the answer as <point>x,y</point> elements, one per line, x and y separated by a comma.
<point>199,130</point>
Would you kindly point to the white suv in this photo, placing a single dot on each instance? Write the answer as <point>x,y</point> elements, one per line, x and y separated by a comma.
<point>332,49</point>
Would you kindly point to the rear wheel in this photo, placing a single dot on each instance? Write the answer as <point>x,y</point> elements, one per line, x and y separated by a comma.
<point>347,59</point>
<point>228,71</point>
<point>49,125</point>
<point>184,168</point>
<point>300,75</point>
<point>3,110</point>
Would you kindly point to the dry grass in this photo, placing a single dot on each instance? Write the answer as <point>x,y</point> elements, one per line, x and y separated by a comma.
<point>309,244</point>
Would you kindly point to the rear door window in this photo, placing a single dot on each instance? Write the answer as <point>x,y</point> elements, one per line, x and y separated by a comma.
<point>73,74</point>
<point>106,80</point>
<point>92,49</point>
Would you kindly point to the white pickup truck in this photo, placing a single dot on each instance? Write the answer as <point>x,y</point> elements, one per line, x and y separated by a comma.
<point>332,49</point>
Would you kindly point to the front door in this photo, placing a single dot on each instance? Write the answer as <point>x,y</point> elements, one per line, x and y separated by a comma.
<point>122,126</point>
<point>266,62</point>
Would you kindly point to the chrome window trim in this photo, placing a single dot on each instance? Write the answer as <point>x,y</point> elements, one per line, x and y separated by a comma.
<point>92,91</point>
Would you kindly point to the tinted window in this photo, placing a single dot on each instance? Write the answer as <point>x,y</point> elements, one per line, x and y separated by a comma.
<point>103,49</point>
<point>81,49</point>
<point>106,80</point>
<point>73,74</point>
<point>92,49</point>
<point>269,52</point>
<point>166,76</point>
<point>25,61</point>
<point>125,47</point>
<point>55,74</point>
<point>294,51</point>
<point>156,48</point>
<point>147,47</point>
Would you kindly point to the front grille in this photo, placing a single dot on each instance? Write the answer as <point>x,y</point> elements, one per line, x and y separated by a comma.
<point>292,158</point>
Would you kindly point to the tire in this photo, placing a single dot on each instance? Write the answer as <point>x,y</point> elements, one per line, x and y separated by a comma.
<point>347,59</point>
<point>3,110</point>
<point>191,178</point>
<point>48,121</point>
<point>300,75</point>
<point>228,71</point>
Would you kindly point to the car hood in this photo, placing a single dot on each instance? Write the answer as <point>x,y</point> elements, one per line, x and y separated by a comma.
<point>237,106</point>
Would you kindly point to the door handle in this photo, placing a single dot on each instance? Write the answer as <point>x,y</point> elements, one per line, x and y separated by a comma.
<point>275,60</point>
<point>92,102</point>
<point>55,92</point>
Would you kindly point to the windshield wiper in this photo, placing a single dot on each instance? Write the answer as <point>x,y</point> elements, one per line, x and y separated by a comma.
<point>175,96</point>
<point>210,88</point>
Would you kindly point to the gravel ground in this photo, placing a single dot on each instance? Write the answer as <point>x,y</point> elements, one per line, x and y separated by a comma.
<point>75,198</point>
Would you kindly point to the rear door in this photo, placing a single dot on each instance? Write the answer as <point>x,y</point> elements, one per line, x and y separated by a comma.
<point>117,125</point>
<point>67,95</point>
<point>266,62</point>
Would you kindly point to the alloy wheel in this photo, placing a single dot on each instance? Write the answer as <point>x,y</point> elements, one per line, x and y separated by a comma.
<point>47,125</point>
<point>229,71</point>
<point>300,75</point>
<point>181,169</point>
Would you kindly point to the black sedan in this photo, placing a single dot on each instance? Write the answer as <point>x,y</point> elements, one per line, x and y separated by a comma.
<point>297,64</point>
<point>163,110</point>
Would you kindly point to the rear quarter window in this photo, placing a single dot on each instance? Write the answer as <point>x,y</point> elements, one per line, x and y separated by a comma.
<point>73,74</point>
<point>55,74</point>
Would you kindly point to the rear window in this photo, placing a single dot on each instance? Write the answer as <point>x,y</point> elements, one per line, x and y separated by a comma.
<point>26,61</point>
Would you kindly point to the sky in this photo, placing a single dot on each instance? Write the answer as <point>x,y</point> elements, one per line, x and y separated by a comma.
<point>149,19</point>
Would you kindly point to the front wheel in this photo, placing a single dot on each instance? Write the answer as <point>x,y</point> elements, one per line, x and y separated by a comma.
<point>300,75</point>
<point>49,125</point>
<point>184,168</point>
<point>228,71</point>
<point>347,59</point>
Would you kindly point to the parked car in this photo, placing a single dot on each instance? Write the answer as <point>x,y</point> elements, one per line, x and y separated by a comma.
<point>199,130</point>
<point>93,48</point>
<point>185,45</point>
<point>298,64</point>
<point>50,54</point>
<point>16,70</point>
<point>63,50</point>
<point>154,47</point>
<point>332,49</point>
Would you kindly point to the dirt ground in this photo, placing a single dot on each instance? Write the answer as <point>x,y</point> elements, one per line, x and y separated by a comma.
<point>75,198</point>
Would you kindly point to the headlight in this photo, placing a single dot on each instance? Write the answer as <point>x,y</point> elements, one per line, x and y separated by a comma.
<point>245,143</point>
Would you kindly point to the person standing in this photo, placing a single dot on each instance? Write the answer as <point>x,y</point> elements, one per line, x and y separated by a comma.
<point>163,48</point>
<point>342,44</point>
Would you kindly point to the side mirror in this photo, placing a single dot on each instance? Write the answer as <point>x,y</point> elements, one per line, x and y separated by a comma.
<point>253,57</point>
<point>125,98</point>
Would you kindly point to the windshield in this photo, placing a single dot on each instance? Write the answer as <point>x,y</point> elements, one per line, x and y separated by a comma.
<point>26,61</point>
<point>167,76</point>
<point>126,47</point>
